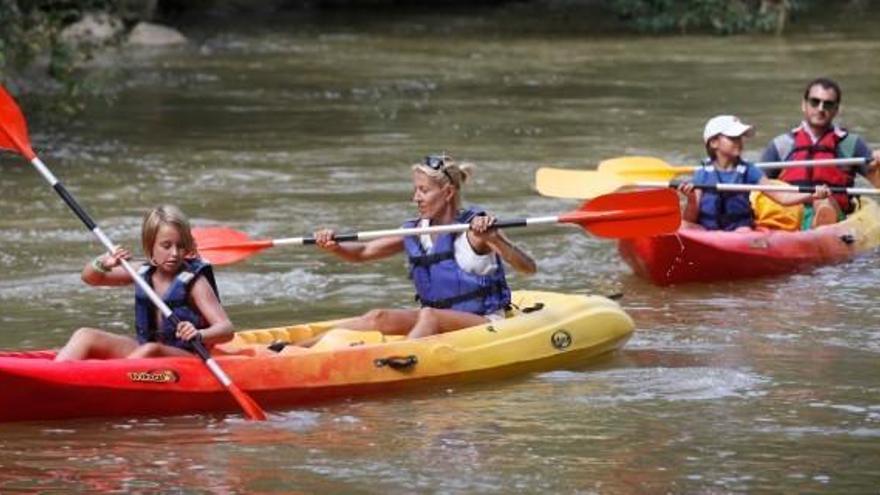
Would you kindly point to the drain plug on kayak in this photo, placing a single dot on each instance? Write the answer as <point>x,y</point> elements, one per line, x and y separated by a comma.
<point>560,339</point>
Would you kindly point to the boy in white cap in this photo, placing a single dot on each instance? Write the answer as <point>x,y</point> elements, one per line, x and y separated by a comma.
<point>716,210</point>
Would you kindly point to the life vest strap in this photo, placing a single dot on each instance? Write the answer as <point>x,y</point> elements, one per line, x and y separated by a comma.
<point>430,259</point>
<point>451,301</point>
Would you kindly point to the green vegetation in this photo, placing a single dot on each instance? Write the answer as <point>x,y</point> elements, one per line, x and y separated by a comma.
<point>29,37</point>
<point>32,53</point>
<point>719,16</point>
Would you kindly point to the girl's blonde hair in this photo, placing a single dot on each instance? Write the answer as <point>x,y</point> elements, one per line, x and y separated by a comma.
<point>445,170</point>
<point>167,215</point>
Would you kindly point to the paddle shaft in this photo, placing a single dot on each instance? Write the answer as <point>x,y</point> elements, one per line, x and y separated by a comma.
<point>836,162</point>
<point>829,162</point>
<point>574,217</point>
<point>108,244</point>
<point>854,191</point>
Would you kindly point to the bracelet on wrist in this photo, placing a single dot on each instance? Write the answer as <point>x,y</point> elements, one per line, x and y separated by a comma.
<point>99,266</point>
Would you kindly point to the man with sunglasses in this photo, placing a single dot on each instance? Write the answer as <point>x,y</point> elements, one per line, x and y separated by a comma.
<point>816,138</point>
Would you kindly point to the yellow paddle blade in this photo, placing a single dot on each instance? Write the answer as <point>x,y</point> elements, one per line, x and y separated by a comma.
<point>580,184</point>
<point>640,168</point>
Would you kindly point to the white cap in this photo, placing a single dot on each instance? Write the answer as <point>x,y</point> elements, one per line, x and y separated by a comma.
<point>728,125</point>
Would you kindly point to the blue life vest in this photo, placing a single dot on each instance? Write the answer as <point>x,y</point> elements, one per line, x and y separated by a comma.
<point>723,210</point>
<point>177,298</point>
<point>441,283</point>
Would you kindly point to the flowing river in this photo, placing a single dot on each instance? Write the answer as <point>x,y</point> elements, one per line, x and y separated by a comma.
<point>760,386</point>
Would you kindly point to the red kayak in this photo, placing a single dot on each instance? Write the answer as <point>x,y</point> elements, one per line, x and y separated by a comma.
<point>692,255</point>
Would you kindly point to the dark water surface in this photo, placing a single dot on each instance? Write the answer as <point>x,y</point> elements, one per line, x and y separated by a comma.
<point>768,386</point>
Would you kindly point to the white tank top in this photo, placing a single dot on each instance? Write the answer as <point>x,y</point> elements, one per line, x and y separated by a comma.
<point>465,256</point>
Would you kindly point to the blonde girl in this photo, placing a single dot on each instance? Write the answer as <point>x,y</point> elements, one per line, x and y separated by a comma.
<point>185,283</point>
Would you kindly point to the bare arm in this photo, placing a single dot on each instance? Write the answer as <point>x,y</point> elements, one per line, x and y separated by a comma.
<point>691,212</point>
<point>106,270</point>
<point>359,252</point>
<point>205,300</point>
<point>792,198</point>
<point>873,174</point>
<point>484,238</point>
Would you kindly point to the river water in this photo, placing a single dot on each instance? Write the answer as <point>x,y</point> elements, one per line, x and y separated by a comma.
<point>767,385</point>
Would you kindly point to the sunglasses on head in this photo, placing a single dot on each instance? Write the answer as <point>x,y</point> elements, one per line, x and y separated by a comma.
<point>827,105</point>
<point>438,162</point>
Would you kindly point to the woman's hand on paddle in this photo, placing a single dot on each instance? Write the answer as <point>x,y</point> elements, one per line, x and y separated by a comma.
<point>822,191</point>
<point>324,239</point>
<point>482,227</point>
<point>186,331</point>
<point>484,232</point>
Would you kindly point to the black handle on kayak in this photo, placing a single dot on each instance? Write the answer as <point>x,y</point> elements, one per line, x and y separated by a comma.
<point>399,363</point>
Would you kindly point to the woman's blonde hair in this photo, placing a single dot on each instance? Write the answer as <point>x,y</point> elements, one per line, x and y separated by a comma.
<point>167,215</point>
<point>445,170</point>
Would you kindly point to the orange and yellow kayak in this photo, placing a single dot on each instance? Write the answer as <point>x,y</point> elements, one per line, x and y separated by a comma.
<point>544,331</point>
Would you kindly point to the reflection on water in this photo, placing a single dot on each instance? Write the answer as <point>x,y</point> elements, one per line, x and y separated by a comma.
<point>764,385</point>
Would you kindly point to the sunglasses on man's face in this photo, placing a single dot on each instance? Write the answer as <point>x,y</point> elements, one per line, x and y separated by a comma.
<point>827,105</point>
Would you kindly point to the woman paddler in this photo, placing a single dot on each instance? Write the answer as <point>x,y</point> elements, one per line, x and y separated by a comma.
<point>459,277</point>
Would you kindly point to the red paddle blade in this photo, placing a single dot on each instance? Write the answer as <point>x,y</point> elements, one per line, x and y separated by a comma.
<point>224,246</point>
<point>13,128</point>
<point>632,214</point>
<point>251,409</point>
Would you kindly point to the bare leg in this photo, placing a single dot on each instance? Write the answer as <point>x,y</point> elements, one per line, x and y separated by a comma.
<point>92,343</point>
<point>154,349</point>
<point>387,321</point>
<point>414,323</point>
<point>691,225</point>
<point>431,321</point>
<point>825,212</point>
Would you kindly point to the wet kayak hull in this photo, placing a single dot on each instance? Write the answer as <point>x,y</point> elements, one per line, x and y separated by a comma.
<point>692,255</point>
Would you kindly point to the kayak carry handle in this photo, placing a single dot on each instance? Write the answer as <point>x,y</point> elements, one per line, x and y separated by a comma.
<point>397,362</point>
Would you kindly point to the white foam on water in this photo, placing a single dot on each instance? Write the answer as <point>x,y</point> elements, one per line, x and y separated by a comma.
<point>663,384</point>
<point>298,420</point>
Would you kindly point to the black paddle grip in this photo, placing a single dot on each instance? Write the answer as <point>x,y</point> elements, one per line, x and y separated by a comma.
<point>516,222</point>
<point>338,238</point>
<point>833,189</point>
<point>80,212</point>
<point>196,343</point>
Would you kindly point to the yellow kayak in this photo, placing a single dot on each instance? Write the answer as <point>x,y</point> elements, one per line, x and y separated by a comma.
<point>543,331</point>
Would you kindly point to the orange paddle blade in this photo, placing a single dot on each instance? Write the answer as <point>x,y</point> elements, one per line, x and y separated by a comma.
<point>224,246</point>
<point>632,214</point>
<point>252,410</point>
<point>13,128</point>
